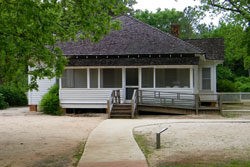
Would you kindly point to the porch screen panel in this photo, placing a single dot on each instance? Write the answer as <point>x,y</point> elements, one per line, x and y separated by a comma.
<point>68,79</point>
<point>172,78</point>
<point>80,78</point>
<point>93,78</point>
<point>111,78</point>
<point>74,78</point>
<point>147,78</point>
<point>206,78</point>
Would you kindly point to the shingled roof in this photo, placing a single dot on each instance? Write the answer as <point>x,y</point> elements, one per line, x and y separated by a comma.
<point>213,47</point>
<point>135,37</point>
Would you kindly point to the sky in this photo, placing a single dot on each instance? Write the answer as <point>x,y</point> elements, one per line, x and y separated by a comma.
<point>179,5</point>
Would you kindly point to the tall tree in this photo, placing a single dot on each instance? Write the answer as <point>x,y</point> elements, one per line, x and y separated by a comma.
<point>235,50</point>
<point>30,29</point>
<point>162,19</point>
<point>235,11</point>
<point>239,8</point>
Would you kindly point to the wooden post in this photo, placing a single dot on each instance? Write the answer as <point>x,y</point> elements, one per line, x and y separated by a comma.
<point>115,96</point>
<point>240,96</point>
<point>158,140</point>
<point>108,108</point>
<point>197,104</point>
<point>64,110</point>
<point>220,102</point>
<point>119,96</point>
<point>178,96</point>
<point>140,96</point>
<point>132,108</point>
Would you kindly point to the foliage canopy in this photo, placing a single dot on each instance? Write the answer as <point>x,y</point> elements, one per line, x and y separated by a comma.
<point>30,29</point>
<point>162,19</point>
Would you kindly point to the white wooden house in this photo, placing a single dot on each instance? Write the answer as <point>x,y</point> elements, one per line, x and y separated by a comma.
<point>138,56</point>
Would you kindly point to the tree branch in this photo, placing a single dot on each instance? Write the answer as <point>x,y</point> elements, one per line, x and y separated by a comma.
<point>225,8</point>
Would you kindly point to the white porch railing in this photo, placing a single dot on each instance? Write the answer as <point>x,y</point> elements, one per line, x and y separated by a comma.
<point>235,97</point>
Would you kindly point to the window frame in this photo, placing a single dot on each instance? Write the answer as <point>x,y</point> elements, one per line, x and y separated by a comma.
<point>202,79</point>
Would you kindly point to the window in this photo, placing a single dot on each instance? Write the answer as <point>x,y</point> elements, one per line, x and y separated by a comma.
<point>75,78</point>
<point>173,78</point>
<point>93,78</point>
<point>206,78</point>
<point>147,78</point>
<point>111,78</point>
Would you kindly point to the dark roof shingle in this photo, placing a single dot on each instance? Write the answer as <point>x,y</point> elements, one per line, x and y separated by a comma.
<point>212,47</point>
<point>135,37</point>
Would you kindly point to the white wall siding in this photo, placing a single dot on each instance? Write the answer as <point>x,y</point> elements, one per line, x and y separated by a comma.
<point>86,98</point>
<point>36,96</point>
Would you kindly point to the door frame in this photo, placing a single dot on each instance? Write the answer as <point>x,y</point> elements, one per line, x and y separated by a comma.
<point>134,86</point>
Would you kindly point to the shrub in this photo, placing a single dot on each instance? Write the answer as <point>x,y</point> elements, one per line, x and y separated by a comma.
<point>243,83</point>
<point>3,103</point>
<point>50,103</point>
<point>224,73</point>
<point>14,96</point>
<point>226,86</point>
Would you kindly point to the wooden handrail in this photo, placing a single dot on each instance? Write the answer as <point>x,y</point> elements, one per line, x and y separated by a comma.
<point>114,98</point>
<point>134,103</point>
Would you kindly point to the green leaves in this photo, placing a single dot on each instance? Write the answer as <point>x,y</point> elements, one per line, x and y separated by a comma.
<point>189,20</point>
<point>30,29</point>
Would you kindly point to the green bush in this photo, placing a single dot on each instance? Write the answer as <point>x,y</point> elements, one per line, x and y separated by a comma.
<point>14,96</point>
<point>243,84</point>
<point>224,73</point>
<point>50,103</point>
<point>3,103</point>
<point>226,86</point>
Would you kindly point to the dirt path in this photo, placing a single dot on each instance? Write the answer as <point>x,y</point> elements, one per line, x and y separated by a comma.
<point>32,139</point>
<point>192,143</point>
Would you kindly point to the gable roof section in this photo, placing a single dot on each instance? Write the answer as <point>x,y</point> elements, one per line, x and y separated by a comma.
<point>213,47</point>
<point>135,37</point>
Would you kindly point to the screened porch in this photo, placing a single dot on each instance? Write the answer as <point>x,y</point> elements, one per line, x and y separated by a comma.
<point>91,87</point>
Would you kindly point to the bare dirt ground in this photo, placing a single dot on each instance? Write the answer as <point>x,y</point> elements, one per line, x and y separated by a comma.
<point>229,115</point>
<point>237,106</point>
<point>194,143</point>
<point>32,139</point>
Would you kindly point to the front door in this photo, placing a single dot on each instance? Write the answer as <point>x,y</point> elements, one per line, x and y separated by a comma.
<point>131,82</point>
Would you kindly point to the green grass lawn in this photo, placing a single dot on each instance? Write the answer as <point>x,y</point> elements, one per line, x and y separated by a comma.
<point>234,163</point>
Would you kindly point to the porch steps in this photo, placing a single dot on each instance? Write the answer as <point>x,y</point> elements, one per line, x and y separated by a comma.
<point>121,111</point>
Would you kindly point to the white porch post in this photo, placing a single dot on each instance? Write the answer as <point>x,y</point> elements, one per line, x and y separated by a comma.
<point>191,78</point>
<point>99,77</point>
<point>60,83</point>
<point>124,84</point>
<point>139,77</point>
<point>88,78</point>
<point>215,78</point>
<point>196,79</point>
